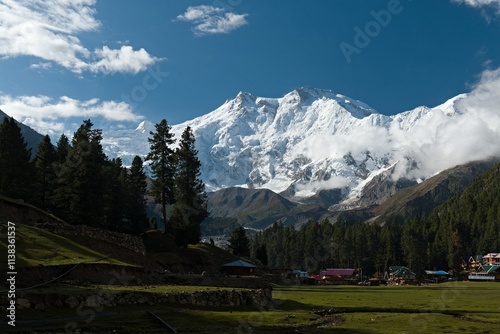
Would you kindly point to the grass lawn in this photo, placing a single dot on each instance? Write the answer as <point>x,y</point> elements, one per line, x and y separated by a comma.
<point>462,307</point>
<point>35,246</point>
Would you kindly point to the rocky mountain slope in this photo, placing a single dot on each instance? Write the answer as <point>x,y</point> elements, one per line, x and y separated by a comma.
<point>317,146</point>
<point>317,151</point>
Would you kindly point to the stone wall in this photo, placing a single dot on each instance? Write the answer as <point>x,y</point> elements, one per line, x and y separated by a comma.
<point>19,212</point>
<point>261,297</point>
<point>128,241</point>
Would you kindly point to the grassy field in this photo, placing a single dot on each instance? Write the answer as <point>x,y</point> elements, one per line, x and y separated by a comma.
<point>453,307</point>
<point>37,247</point>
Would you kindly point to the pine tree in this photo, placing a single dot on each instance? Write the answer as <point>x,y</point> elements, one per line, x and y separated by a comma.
<point>190,207</point>
<point>162,165</point>
<point>261,254</point>
<point>63,148</point>
<point>239,242</point>
<point>80,196</point>
<point>138,189</point>
<point>45,160</point>
<point>16,169</point>
<point>116,197</point>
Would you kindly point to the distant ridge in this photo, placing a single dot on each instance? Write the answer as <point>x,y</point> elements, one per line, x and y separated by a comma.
<point>31,137</point>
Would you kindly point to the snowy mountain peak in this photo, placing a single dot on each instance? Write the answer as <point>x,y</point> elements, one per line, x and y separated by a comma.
<point>145,127</point>
<point>451,106</point>
<point>306,96</point>
<point>245,97</point>
<point>314,139</point>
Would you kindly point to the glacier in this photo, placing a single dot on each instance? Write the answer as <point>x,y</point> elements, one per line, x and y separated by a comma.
<point>309,140</point>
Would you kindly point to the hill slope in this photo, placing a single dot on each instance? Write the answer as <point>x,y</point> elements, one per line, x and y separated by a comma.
<point>31,137</point>
<point>259,208</point>
<point>421,199</point>
<point>473,215</point>
<point>37,247</point>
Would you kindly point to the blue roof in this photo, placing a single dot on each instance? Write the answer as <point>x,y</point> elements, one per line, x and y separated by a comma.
<point>239,263</point>
<point>439,272</point>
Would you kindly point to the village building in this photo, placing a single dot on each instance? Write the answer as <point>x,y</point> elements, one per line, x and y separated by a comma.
<point>400,275</point>
<point>486,273</point>
<point>239,268</point>
<point>487,270</point>
<point>491,259</point>
<point>437,276</point>
<point>298,274</point>
<point>336,276</point>
<point>472,263</point>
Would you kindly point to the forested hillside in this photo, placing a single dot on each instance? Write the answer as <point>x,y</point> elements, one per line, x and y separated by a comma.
<point>467,224</point>
<point>75,180</point>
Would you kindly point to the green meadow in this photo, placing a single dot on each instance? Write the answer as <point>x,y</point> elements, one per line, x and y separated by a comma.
<point>454,307</point>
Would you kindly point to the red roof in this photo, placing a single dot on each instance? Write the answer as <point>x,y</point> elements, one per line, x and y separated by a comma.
<point>337,272</point>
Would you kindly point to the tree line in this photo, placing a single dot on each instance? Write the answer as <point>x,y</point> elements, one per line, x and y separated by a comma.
<point>77,182</point>
<point>468,224</point>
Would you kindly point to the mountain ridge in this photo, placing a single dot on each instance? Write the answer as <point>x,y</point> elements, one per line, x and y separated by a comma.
<point>317,144</point>
<point>31,137</point>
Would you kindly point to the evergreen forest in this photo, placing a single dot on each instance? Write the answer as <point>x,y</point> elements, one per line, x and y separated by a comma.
<point>75,181</point>
<point>466,225</point>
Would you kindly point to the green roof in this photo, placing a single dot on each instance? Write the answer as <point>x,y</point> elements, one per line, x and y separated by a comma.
<point>239,263</point>
<point>403,271</point>
<point>489,269</point>
<point>396,268</point>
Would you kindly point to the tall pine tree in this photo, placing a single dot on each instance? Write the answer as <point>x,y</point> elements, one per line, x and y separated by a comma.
<point>137,192</point>
<point>239,242</point>
<point>45,160</point>
<point>190,207</point>
<point>116,192</point>
<point>63,148</point>
<point>80,196</point>
<point>162,165</point>
<point>16,169</point>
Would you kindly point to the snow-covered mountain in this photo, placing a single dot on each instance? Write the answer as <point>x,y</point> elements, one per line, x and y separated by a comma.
<point>314,139</point>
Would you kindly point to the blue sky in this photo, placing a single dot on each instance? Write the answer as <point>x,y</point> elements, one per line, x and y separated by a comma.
<point>121,61</point>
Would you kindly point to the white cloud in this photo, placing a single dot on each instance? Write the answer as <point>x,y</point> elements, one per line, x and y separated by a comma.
<point>211,20</point>
<point>123,60</point>
<point>464,129</point>
<point>49,116</point>
<point>440,141</point>
<point>481,3</point>
<point>48,30</point>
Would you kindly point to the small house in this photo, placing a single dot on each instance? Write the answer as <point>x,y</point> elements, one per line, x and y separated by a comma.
<point>336,276</point>
<point>486,273</point>
<point>239,268</point>
<point>400,275</point>
<point>298,273</point>
<point>472,263</point>
<point>491,259</point>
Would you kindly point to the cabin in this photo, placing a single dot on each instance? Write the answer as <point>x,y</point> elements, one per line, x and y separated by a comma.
<point>239,268</point>
<point>486,273</point>
<point>491,259</point>
<point>400,275</point>
<point>298,274</point>
<point>336,276</point>
<point>472,263</point>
